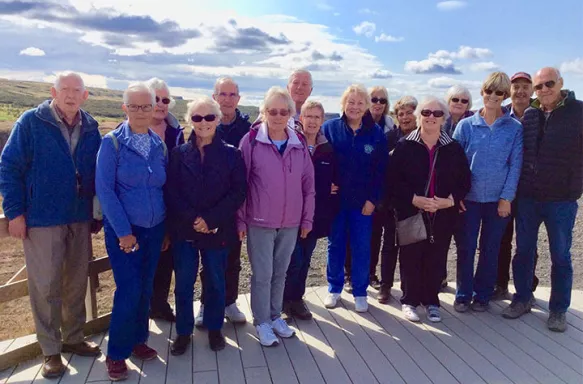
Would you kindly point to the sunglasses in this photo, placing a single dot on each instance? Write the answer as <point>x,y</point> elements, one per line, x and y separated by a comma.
<point>549,84</point>
<point>429,112</point>
<point>275,112</point>
<point>380,100</point>
<point>199,118</point>
<point>165,100</point>
<point>457,100</point>
<point>497,93</point>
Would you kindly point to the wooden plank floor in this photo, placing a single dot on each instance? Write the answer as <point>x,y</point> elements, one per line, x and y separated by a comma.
<point>342,346</point>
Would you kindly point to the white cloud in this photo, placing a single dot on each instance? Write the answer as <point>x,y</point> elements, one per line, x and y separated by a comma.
<point>32,51</point>
<point>444,82</point>
<point>464,52</point>
<point>573,66</point>
<point>90,80</point>
<point>484,66</point>
<point>388,38</point>
<point>368,11</point>
<point>432,65</point>
<point>381,74</point>
<point>323,6</point>
<point>365,28</point>
<point>451,5</point>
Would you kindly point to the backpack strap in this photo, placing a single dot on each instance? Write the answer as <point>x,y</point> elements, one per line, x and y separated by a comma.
<point>113,140</point>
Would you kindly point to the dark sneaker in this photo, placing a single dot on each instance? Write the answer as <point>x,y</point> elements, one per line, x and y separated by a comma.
<point>516,309</point>
<point>286,313</point>
<point>53,367</point>
<point>557,322</point>
<point>117,370</point>
<point>443,285</point>
<point>300,310</point>
<point>384,295</point>
<point>216,340</point>
<point>84,348</point>
<point>479,307</point>
<point>165,315</point>
<point>374,282</point>
<point>461,306</point>
<point>180,345</point>
<point>144,353</point>
<point>532,301</point>
<point>500,294</point>
<point>348,286</point>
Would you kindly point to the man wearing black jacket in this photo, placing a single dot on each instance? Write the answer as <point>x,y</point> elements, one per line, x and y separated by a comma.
<point>550,184</point>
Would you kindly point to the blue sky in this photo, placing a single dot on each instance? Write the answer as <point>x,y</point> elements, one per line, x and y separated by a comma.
<point>417,47</point>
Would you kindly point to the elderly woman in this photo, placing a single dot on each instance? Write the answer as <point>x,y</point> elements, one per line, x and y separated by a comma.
<point>361,149</point>
<point>325,174</point>
<point>380,107</point>
<point>165,125</point>
<point>459,100</point>
<point>130,175</point>
<point>206,186</point>
<point>280,203</point>
<point>492,141</point>
<point>428,173</point>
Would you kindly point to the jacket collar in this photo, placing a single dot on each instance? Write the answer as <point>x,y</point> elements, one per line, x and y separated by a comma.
<point>293,139</point>
<point>566,97</point>
<point>126,134</point>
<point>172,121</point>
<point>444,138</point>
<point>43,112</point>
<point>368,122</point>
<point>477,118</point>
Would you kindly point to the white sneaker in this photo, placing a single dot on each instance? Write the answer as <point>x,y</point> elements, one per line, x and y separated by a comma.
<point>410,313</point>
<point>234,315</point>
<point>266,336</point>
<point>433,313</point>
<point>198,320</point>
<point>281,328</point>
<point>331,300</point>
<point>360,304</point>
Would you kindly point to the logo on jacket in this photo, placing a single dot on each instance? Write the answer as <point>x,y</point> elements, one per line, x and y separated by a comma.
<point>368,149</point>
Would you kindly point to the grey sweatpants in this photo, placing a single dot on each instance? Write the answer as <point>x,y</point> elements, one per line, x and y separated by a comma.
<point>57,263</point>
<point>269,252</point>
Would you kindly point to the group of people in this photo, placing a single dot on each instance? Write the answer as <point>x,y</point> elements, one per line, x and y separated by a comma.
<point>369,184</point>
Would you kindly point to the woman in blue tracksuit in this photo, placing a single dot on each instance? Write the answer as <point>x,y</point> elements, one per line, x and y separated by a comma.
<point>130,175</point>
<point>361,151</point>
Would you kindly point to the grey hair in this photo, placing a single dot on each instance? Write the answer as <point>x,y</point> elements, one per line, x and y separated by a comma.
<point>157,84</point>
<point>310,104</point>
<point>277,93</point>
<point>203,100</point>
<point>406,101</point>
<point>138,87</point>
<point>66,74</point>
<point>429,100</point>
<point>458,90</point>
<point>222,80</point>
<point>300,72</point>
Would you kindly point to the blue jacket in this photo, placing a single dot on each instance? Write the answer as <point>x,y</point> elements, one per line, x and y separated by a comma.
<point>362,160</point>
<point>129,187</point>
<point>38,176</point>
<point>174,135</point>
<point>494,154</point>
<point>234,132</point>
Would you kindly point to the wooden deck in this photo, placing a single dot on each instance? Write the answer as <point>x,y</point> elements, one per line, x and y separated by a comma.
<point>342,346</point>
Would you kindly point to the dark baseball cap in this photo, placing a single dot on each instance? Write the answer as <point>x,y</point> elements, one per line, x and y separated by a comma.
<point>520,75</point>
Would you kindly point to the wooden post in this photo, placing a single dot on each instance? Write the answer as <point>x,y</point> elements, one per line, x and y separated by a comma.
<point>3,227</point>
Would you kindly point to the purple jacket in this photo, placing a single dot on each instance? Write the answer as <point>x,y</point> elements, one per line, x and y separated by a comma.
<point>280,188</point>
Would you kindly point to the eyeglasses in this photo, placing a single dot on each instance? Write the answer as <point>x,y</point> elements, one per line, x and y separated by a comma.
<point>497,93</point>
<point>549,84</point>
<point>457,100</point>
<point>199,118</point>
<point>165,100</point>
<point>429,112</point>
<point>136,108</point>
<point>380,100</point>
<point>282,112</point>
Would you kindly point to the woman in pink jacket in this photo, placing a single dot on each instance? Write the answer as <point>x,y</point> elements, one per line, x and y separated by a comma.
<point>280,203</point>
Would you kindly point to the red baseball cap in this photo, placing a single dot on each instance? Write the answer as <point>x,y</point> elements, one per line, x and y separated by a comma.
<point>520,75</point>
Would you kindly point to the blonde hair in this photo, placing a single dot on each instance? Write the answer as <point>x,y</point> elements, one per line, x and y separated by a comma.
<point>497,81</point>
<point>276,93</point>
<point>383,90</point>
<point>310,104</point>
<point>198,102</point>
<point>359,89</point>
<point>405,101</point>
<point>429,100</point>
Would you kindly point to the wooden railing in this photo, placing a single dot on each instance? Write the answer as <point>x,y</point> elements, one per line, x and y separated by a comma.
<point>17,287</point>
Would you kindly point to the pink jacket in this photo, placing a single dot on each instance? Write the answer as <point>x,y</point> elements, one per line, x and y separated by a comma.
<point>280,189</point>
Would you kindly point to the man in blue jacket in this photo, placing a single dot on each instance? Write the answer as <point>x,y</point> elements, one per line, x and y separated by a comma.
<point>47,180</point>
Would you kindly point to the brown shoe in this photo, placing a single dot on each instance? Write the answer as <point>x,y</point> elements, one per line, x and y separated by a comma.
<point>384,295</point>
<point>84,348</point>
<point>53,367</point>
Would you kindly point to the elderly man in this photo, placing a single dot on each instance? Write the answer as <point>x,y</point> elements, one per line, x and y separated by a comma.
<point>47,180</point>
<point>300,86</point>
<point>234,125</point>
<point>550,184</point>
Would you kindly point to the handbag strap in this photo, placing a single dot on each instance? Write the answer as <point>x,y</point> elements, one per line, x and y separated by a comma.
<point>431,172</point>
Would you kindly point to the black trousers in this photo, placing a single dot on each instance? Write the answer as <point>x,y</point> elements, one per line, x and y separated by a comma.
<point>231,276</point>
<point>162,281</point>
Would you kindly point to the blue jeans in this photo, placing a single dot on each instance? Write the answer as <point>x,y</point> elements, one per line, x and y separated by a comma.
<point>214,261</point>
<point>559,220</point>
<point>481,286</point>
<point>134,279</point>
<point>349,222</point>
<point>299,265</point>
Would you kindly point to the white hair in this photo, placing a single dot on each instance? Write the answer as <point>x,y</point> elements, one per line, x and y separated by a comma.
<point>198,102</point>
<point>222,80</point>
<point>458,90</point>
<point>428,100</point>
<point>66,74</point>
<point>300,72</point>
<point>276,93</point>
<point>157,84</point>
<point>138,87</point>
